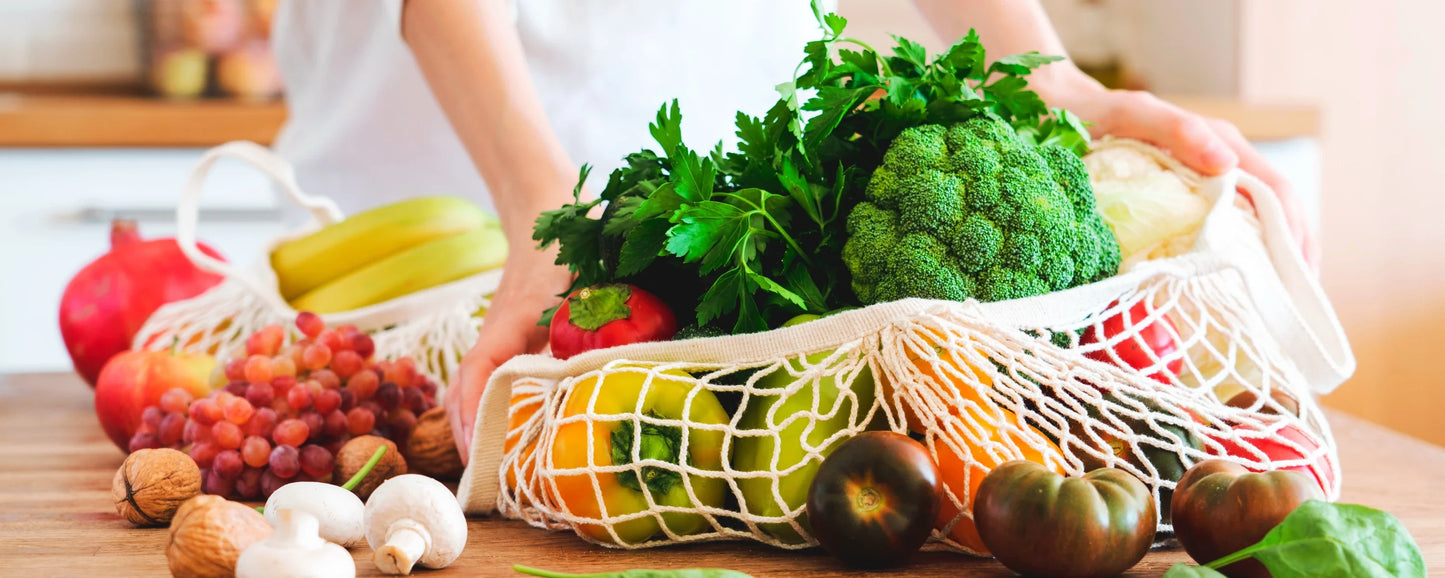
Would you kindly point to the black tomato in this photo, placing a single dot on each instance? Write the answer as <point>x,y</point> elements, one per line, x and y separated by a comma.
<point>874,499</point>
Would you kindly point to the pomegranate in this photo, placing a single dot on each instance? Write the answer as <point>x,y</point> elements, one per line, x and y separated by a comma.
<point>106,303</point>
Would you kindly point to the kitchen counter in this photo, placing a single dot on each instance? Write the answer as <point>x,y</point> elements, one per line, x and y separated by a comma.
<point>56,515</point>
<point>129,119</point>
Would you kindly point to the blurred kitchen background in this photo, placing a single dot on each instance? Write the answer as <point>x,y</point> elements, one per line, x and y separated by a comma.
<point>106,104</point>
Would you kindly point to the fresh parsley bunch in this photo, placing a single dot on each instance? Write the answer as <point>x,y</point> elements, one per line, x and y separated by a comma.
<point>744,240</point>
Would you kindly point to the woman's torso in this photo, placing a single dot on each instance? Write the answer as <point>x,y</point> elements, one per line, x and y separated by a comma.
<point>365,130</point>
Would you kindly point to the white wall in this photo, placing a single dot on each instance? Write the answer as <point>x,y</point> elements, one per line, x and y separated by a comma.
<point>44,40</point>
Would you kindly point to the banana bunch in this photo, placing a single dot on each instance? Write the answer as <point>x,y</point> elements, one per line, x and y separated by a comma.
<point>388,252</point>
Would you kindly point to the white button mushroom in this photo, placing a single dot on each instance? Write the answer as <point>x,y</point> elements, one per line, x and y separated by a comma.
<point>339,512</point>
<point>295,550</point>
<point>413,519</point>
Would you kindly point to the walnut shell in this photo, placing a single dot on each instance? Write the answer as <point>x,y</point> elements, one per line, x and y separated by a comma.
<point>354,455</point>
<point>208,535</point>
<point>151,484</point>
<point>431,450</point>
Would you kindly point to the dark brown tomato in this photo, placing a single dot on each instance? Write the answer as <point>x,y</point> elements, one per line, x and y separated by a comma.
<point>1039,523</point>
<point>874,499</point>
<point>1220,507</point>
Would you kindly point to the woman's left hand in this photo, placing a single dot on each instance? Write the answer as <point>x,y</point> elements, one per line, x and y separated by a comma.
<point>1209,145</point>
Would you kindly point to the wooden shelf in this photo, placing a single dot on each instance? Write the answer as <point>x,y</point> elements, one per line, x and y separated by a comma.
<point>123,119</point>
<point>132,120</point>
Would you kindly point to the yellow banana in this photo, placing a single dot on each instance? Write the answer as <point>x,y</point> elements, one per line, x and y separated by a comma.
<point>435,263</point>
<point>304,264</point>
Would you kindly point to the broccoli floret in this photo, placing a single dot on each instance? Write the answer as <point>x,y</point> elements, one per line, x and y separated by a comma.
<point>970,211</point>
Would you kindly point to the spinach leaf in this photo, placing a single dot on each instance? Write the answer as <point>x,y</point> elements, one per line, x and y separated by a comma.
<point>1187,571</point>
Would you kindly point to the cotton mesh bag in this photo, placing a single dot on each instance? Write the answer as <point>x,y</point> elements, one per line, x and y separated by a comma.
<point>710,438</point>
<point>434,326</point>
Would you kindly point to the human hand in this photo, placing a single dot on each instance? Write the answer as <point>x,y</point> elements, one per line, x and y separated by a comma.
<point>509,329</point>
<point>1209,145</point>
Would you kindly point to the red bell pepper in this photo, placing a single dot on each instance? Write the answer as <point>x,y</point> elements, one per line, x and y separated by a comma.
<point>609,315</point>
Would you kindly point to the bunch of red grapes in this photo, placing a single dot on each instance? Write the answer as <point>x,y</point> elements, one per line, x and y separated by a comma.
<point>287,409</point>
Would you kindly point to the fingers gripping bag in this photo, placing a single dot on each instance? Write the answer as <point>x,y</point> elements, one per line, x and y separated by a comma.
<point>1214,352</point>
<point>435,325</point>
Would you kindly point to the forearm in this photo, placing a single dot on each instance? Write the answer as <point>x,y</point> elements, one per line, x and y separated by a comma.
<point>1011,27</point>
<point>472,59</point>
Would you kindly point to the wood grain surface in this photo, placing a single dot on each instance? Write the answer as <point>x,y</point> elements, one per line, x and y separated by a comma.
<point>57,519</point>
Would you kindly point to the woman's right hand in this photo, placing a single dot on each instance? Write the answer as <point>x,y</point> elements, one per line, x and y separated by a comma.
<point>529,286</point>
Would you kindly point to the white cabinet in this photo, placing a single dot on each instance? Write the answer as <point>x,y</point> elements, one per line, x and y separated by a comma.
<point>54,207</point>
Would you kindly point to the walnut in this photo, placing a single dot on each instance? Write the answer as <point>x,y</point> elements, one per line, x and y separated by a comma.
<point>357,452</point>
<point>151,484</point>
<point>208,535</point>
<point>431,450</point>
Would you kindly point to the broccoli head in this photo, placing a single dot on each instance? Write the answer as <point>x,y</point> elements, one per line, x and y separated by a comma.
<point>970,211</point>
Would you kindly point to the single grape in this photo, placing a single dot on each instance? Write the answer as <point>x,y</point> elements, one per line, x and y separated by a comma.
<point>413,399</point>
<point>292,432</point>
<point>363,345</point>
<point>346,363</point>
<point>283,365</point>
<point>195,432</point>
<point>316,461</point>
<point>144,441</point>
<point>258,368</point>
<point>299,398</point>
<point>173,427</point>
<point>235,388</point>
<point>270,482</point>
<point>282,384</point>
<point>335,423</point>
<point>176,400</point>
<point>255,451</point>
<point>248,484</point>
<point>217,485</point>
<point>146,428</point>
<point>327,378</point>
<point>314,424</point>
<point>333,342</point>
<point>404,372</point>
<point>238,411</point>
<point>334,446</point>
<point>388,396</point>
<point>285,461</point>
<point>152,417</point>
<point>203,453</point>
<point>402,421</point>
<point>327,401</point>
<point>428,388</point>
<point>295,351</point>
<point>206,412</point>
<point>236,369</point>
<point>348,400</point>
<point>314,387</point>
<point>266,342</point>
<point>260,394</point>
<point>363,385</point>
<point>228,435</point>
<point>359,421</point>
<point>316,356</point>
<point>263,421</point>
<point>228,464</point>
<point>281,407</point>
<point>372,407</point>
<point>310,324</point>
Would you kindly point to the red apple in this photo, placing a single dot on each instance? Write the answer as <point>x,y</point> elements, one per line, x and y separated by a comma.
<point>135,380</point>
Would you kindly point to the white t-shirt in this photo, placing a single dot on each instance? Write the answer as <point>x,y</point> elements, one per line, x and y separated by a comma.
<point>365,130</point>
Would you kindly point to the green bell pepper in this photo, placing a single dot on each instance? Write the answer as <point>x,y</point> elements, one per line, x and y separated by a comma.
<point>756,453</point>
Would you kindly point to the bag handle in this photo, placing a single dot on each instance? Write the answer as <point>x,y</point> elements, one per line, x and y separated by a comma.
<point>1291,302</point>
<point>324,210</point>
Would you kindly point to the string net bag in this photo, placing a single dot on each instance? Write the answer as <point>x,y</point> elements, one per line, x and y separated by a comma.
<point>435,326</point>
<point>715,439</point>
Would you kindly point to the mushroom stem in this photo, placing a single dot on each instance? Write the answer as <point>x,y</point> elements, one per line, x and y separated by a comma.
<point>406,542</point>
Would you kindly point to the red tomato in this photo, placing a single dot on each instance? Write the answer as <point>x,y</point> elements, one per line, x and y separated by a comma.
<point>1157,336</point>
<point>1322,469</point>
<point>609,315</point>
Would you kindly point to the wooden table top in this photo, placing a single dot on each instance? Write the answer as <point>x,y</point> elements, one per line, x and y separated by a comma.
<point>57,519</point>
